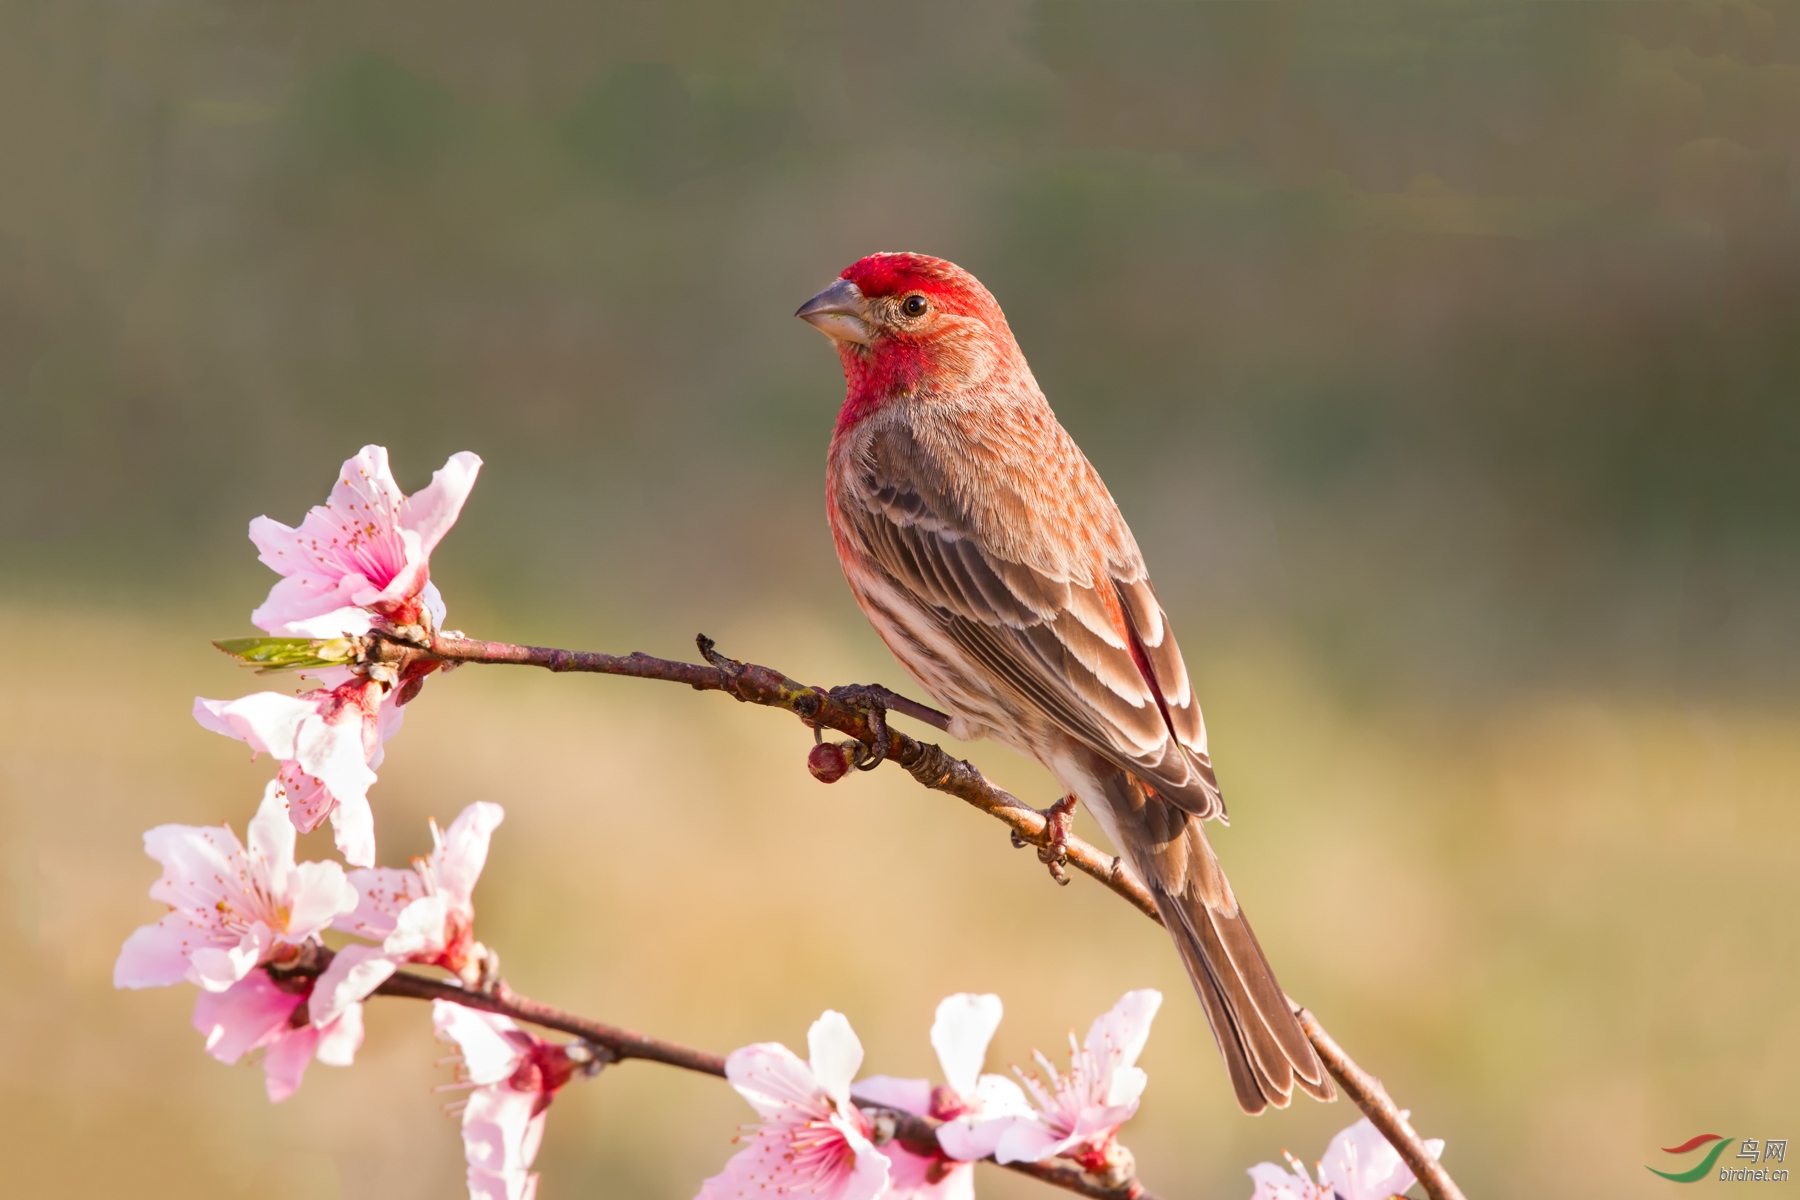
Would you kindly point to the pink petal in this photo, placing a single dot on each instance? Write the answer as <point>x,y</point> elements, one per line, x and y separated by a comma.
<point>268,721</point>
<point>309,801</point>
<point>410,569</point>
<point>964,1026</point>
<point>909,1177</point>
<point>156,955</point>
<point>201,864</point>
<point>419,933</point>
<point>771,1164</point>
<point>907,1095</point>
<point>382,893</point>
<point>999,1101</point>
<point>968,1139</point>
<point>492,1185</point>
<point>433,509</point>
<point>775,1082</point>
<point>366,546</point>
<point>353,830</point>
<point>285,1061</point>
<point>996,1096</point>
<point>489,1055</point>
<point>1362,1165</point>
<point>1117,1036</point>
<point>500,1132</point>
<point>247,1015</point>
<point>270,843</point>
<point>1026,1140</point>
<point>334,753</point>
<point>868,1177</point>
<point>836,1054</point>
<point>352,620</point>
<point>216,968</point>
<point>341,1039</point>
<point>459,859</point>
<point>1273,1183</point>
<point>388,719</point>
<point>353,974</point>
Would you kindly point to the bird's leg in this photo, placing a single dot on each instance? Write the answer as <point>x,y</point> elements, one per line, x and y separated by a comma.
<point>873,700</point>
<point>1058,819</point>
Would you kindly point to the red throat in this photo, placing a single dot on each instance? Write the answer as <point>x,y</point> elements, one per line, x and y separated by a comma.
<point>872,378</point>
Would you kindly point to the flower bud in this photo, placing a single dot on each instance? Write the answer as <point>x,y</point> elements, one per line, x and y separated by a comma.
<point>830,761</point>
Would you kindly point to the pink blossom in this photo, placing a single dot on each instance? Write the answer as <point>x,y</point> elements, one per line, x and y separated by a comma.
<point>1079,1114</point>
<point>256,1014</point>
<point>229,907</point>
<point>363,555</point>
<point>423,915</point>
<point>329,741</point>
<point>972,1106</point>
<point>812,1141</point>
<point>514,1075</point>
<point>1359,1164</point>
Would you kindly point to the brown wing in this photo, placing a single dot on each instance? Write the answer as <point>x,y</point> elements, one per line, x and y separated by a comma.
<point>1078,633</point>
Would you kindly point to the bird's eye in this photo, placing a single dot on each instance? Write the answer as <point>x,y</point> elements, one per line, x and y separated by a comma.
<point>914,305</point>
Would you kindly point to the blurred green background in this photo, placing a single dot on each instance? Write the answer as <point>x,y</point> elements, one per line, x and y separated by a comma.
<point>1444,358</point>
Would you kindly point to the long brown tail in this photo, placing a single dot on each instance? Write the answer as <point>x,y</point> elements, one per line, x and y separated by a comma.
<point>1264,1048</point>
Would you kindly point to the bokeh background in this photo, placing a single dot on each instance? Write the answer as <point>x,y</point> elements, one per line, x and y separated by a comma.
<point>1444,358</point>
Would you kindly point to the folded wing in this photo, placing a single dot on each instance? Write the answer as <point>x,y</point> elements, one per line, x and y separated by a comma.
<point>1065,616</point>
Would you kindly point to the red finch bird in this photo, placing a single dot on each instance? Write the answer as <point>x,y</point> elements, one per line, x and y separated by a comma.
<point>993,562</point>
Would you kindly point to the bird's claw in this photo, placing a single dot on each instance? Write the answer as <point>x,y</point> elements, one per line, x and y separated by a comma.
<point>1058,819</point>
<point>872,700</point>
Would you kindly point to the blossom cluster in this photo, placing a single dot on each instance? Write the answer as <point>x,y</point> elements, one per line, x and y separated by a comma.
<point>246,925</point>
<point>244,916</point>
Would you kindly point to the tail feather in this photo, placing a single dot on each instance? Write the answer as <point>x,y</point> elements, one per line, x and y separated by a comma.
<point>1265,1050</point>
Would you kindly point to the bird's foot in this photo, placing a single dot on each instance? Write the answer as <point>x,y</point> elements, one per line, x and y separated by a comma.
<point>1058,820</point>
<point>874,701</point>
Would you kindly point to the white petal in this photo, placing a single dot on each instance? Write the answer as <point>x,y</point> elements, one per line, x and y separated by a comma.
<point>350,621</point>
<point>271,844</point>
<point>419,933</point>
<point>775,1082</point>
<point>353,974</point>
<point>836,1054</point>
<point>1027,1140</point>
<point>353,829</point>
<point>489,1055</point>
<point>340,1040</point>
<point>1117,1036</point>
<point>433,509</point>
<point>965,1025</point>
<point>907,1095</point>
<point>383,892</point>
<point>458,862</point>
<point>268,721</point>
<point>216,968</point>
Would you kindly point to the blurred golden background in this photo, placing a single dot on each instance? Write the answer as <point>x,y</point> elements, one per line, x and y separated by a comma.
<point>1443,357</point>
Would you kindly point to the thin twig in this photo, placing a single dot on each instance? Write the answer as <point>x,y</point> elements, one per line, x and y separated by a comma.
<point>931,766</point>
<point>924,761</point>
<point>910,1129</point>
<point>1383,1113</point>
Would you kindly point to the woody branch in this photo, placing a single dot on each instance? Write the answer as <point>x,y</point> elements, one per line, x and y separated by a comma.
<point>614,1045</point>
<point>848,711</point>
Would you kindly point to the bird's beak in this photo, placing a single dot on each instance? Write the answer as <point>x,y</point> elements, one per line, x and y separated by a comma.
<point>840,312</point>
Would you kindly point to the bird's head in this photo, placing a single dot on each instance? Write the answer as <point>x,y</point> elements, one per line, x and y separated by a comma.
<point>909,325</point>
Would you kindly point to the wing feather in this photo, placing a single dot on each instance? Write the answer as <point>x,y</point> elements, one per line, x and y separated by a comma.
<point>1085,642</point>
